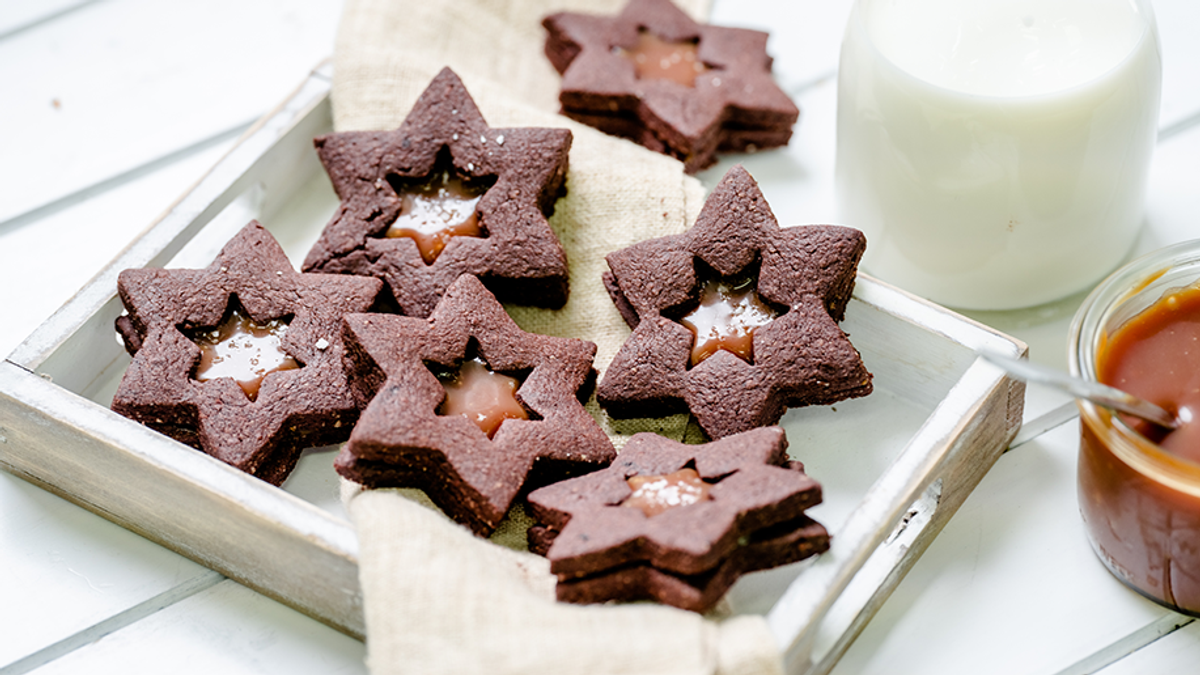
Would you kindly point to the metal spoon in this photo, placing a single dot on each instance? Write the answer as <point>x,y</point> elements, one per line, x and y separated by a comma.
<point>1100,394</point>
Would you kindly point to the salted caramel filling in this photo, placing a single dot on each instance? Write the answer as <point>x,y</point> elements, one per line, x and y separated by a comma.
<point>436,209</point>
<point>244,350</point>
<point>657,494</point>
<point>657,59</point>
<point>729,311</point>
<point>486,398</point>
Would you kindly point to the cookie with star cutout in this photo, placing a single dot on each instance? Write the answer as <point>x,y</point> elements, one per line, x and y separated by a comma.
<point>677,523</point>
<point>736,319</point>
<point>242,359</point>
<point>681,88</point>
<point>446,195</point>
<point>467,407</point>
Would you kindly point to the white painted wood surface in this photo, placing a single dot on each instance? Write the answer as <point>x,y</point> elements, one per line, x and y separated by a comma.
<point>225,629</point>
<point>150,93</point>
<point>66,569</point>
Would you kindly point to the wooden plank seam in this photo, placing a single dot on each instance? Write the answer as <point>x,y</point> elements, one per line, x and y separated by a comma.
<point>142,610</point>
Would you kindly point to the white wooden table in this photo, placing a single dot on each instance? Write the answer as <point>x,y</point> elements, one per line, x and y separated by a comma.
<point>112,108</point>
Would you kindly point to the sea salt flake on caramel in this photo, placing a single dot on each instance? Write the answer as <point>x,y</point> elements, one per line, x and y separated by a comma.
<point>729,311</point>
<point>658,494</point>
<point>657,59</point>
<point>436,209</point>
<point>244,350</point>
<point>485,397</point>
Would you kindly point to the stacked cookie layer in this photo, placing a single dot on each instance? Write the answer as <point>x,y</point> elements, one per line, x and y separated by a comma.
<point>688,551</point>
<point>732,105</point>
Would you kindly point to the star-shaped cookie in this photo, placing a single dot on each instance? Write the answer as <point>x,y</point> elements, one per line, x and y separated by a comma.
<point>403,439</point>
<point>261,430</point>
<point>733,104</point>
<point>800,358</point>
<point>689,552</point>
<point>523,171</point>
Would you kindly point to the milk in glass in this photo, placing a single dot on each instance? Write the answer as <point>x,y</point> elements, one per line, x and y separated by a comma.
<point>995,152</point>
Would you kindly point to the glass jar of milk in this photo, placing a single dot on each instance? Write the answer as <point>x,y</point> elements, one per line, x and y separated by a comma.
<point>995,152</point>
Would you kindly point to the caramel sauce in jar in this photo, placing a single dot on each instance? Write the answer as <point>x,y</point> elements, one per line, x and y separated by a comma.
<point>1138,484</point>
<point>1141,508</point>
<point>1156,356</point>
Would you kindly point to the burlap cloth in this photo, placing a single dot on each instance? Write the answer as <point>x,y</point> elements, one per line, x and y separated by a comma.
<point>436,599</point>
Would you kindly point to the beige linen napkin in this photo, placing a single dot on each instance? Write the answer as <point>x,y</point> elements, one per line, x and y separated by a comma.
<point>436,599</point>
<point>439,600</point>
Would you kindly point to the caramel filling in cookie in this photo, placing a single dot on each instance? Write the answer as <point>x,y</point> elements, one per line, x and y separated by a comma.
<point>242,349</point>
<point>657,59</point>
<point>656,494</point>
<point>729,311</point>
<point>437,208</point>
<point>485,397</point>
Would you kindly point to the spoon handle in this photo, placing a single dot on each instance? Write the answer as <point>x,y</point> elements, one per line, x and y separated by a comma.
<point>1100,394</point>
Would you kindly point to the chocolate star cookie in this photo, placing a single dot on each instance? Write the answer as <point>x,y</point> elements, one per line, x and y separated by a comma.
<point>762,303</point>
<point>471,452</point>
<point>243,359</point>
<point>678,87</point>
<point>678,523</point>
<point>445,195</point>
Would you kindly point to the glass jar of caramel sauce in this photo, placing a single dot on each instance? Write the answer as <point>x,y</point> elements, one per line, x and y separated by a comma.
<point>1139,484</point>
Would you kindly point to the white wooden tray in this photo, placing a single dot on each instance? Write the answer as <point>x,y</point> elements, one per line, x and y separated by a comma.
<point>895,465</point>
